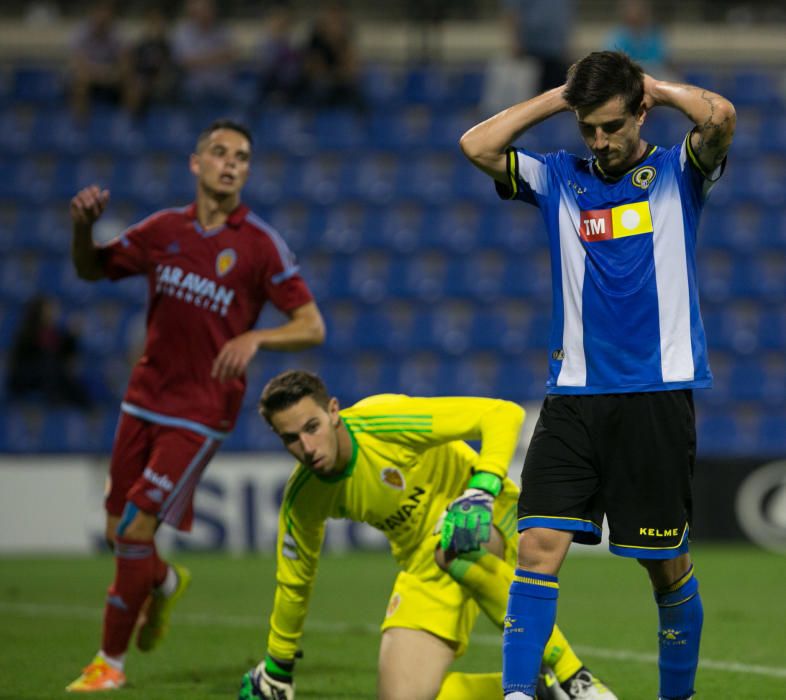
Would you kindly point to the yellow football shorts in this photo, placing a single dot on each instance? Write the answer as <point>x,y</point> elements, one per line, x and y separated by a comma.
<point>426,598</point>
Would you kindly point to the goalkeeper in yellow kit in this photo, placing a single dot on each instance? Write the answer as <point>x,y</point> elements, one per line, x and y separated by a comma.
<point>401,464</point>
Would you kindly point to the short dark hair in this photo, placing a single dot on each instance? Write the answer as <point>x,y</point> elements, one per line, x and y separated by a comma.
<point>230,124</point>
<point>602,75</point>
<point>289,387</point>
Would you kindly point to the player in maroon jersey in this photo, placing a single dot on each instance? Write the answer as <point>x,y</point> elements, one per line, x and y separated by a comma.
<point>210,267</point>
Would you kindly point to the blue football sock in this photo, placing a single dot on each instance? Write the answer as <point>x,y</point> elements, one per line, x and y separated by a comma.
<point>681,614</point>
<point>532,609</point>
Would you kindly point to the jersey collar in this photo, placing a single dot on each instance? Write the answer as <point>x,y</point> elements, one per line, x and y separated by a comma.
<point>236,217</point>
<point>347,471</point>
<point>614,178</point>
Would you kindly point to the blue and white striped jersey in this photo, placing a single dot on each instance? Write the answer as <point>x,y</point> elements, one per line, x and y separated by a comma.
<point>623,257</point>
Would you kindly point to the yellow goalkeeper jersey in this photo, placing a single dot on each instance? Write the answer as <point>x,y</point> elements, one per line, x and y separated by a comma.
<point>409,461</point>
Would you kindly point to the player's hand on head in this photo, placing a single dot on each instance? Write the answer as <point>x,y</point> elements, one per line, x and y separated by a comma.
<point>88,204</point>
<point>232,360</point>
<point>649,101</point>
<point>468,520</point>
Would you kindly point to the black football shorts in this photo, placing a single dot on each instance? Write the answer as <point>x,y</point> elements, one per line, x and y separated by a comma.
<point>629,457</point>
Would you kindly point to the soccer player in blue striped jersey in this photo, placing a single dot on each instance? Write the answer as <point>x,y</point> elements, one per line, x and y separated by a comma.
<point>616,434</point>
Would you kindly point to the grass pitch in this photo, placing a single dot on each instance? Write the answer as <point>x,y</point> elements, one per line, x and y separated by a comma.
<point>50,617</point>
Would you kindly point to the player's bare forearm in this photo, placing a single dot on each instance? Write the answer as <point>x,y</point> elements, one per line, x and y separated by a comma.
<point>304,329</point>
<point>713,115</point>
<point>485,143</point>
<point>86,207</point>
<point>84,254</point>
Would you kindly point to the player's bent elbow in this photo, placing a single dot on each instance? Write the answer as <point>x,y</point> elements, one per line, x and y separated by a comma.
<point>470,147</point>
<point>317,331</point>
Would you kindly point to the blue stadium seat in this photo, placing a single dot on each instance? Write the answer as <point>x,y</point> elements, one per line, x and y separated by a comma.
<point>19,276</point>
<point>374,175</point>
<point>360,375</point>
<point>481,274</point>
<point>381,86</point>
<point>718,431</point>
<point>42,86</point>
<point>747,379</point>
<point>327,275</point>
<point>422,277</point>
<point>367,279</point>
<point>274,179</point>
<point>405,131</point>
<point>10,318</point>
<point>522,378</point>
<point>446,328</point>
<point>391,329</point>
<point>170,130</point>
<point>733,327</point>
<point>428,178</point>
<point>767,276</point>
<point>348,229</point>
<point>459,227</point>
<point>343,320</point>
<point>476,374</point>
<point>320,179</point>
<point>293,221</point>
<point>22,428</point>
<point>280,129</point>
<point>17,130</point>
<point>339,130</point>
<point>757,87</point>
<point>513,227</point>
<point>469,184</point>
<point>447,126</point>
<point>772,327</point>
<point>427,85</point>
<point>770,439</point>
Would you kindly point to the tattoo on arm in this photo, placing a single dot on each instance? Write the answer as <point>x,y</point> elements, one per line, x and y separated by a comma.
<point>714,134</point>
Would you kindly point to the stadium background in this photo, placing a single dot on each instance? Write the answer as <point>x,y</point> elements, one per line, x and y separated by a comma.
<point>429,285</point>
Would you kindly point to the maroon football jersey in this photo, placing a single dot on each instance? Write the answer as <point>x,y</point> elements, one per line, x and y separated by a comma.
<point>205,288</point>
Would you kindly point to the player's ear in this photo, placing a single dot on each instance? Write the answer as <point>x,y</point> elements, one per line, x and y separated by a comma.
<point>333,409</point>
<point>193,164</point>
<point>641,115</point>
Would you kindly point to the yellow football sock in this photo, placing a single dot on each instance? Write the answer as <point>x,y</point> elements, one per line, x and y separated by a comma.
<point>471,686</point>
<point>488,579</point>
<point>560,656</point>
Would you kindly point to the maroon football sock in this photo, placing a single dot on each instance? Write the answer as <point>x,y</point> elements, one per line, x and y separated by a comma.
<point>134,574</point>
<point>160,568</point>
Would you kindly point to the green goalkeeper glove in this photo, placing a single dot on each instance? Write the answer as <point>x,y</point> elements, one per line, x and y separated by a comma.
<point>270,680</point>
<point>467,522</point>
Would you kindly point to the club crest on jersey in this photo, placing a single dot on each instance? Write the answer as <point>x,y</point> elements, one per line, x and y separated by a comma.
<point>617,222</point>
<point>393,603</point>
<point>225,261</point>
<point>393,477</point>
<point>642,177</point>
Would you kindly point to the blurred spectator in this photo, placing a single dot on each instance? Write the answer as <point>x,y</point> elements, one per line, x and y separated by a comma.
<point>99,61</point>
<point>330,63</point>
<point>153,73</point>
<point>204,51</point>
<point>41,363</point>
<point>279,60</point>
<point>639,37</point>
<point>540,32</point>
